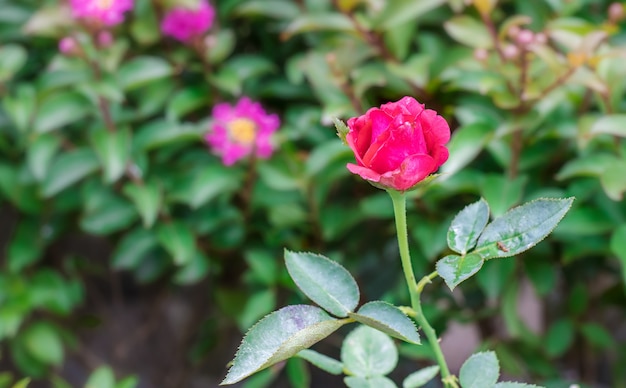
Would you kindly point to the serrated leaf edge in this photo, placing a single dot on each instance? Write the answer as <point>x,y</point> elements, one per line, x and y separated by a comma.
<point>337,265</point>
<point>273,359</point>
<point>507,254</point>
<point>469,247</point>
<point>453,286</point>
<point>390,331</point>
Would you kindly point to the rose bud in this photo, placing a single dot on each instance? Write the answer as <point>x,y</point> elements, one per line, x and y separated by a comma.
<point>398,145</point>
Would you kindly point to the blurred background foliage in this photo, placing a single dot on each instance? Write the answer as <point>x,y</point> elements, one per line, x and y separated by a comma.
<point>126,243</point>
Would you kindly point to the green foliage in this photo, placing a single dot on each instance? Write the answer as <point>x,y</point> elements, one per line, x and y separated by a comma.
<point>279,336</point>
<point>105,148</point>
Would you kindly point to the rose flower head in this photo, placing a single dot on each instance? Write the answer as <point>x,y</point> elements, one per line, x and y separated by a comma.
<point>241,130</point>
<point>105,12</point>
<point>184,22</point>
<point>397,145</point>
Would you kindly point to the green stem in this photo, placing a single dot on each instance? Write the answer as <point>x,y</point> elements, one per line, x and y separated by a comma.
<point>399,208</point>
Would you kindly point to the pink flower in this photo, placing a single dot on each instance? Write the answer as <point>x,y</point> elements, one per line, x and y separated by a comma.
<point>240,130</point>
<point>107,12</point>
<point>398,145</point>
<point>68,46</point>
<point>184,24</point>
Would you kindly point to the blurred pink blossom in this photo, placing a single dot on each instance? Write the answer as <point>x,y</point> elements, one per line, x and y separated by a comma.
<point>104,39</point>
<point>184,23</point>
<point>240,130</point>
<point>68,45</point>
<point>107,12</point>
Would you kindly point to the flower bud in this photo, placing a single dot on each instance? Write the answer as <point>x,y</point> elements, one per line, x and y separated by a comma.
<point>481,54</point>
<point>616,12</point>
<point>513,31</point>
<point>510,51</point>
<point>68,46</point>
<point>104,39</point>
<point>398,145</point>
<point>525,37</point>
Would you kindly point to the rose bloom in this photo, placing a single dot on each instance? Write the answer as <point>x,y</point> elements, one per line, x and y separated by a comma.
<point>240,130</point>
<point>398,145</point>
<point>107,12</point>
<point>184,24</point>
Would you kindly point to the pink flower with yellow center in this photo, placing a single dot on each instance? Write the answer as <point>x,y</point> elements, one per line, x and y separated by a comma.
<point>106,12</point>
<point>184,23</point>
<point>241,130</point>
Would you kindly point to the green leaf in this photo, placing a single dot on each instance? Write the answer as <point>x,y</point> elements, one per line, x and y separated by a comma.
<point>178,240</point>
<point>454,269</point>
<point>133,247</point>
<point>25,246</point>
<point>597,335</point>
<point>522,227</point>
<point>421,377</point>
<point>494,276</point>
<point>618,247</point>
<point>257,306</point>
<point>194,271</point>
<point>23,196</point>
<point>102,377</point>
<point>324,281</point>
<point>589,165</point>
<point>106,213</point>
<point>207,184</point>
<point>67,169</point>
<point>469,31</point>
<point>342,130</point>
<point>481,370</point>
<point>368,382</point>
<point>142,70</point>
<point>559,337</point>
<point>160,133</point>
<point>263,265</point>
<point>23,383</point>
<point>12,58</point>
<point>367,352</point>
<point>317,22</point>
<point>401,11</point>
<point>59,110</point>
<point>325,363</point>
<point>40,153</point>
<point>147,199</point>
<point>113,150</point>
<point>187,100</point>
<point>511,384</point>
<point>610,125</point>
<point>324,155</point>
<point>128,382</point>
<point>21,106</point>
<point>613,180</point>
<point>467,225</point>
<point>501,192</point>
<point>278,9</point>
<point>388,319</point>
<point>466,143</point>
<point>279,336</point>
<point>44,343</point>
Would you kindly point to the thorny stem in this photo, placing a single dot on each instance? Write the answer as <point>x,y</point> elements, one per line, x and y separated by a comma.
<point>399,208</point>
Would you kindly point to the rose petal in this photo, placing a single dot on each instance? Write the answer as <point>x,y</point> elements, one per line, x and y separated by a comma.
<point>391,150</point>
<point>360,133</point>
<point>413,170</point>
<point>435,127</point>
<point>364,172</point>
<point>380,122</point>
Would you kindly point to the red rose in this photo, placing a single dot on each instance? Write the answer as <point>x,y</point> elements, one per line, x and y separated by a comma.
<point>398,145</point>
